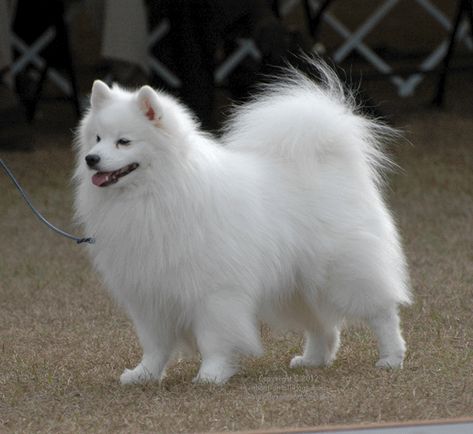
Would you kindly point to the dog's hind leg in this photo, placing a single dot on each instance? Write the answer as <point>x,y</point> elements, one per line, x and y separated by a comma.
<point>321,343</point>
<point>391,345</point>
<point>369,286</point>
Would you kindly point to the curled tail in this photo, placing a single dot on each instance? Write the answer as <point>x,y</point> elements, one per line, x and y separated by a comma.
<point>306,122</point>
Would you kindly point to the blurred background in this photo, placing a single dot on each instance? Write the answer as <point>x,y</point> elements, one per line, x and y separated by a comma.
<point>212,52</point>
<point>64,343</point>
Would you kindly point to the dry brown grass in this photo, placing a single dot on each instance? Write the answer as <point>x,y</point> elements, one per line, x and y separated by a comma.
<point>64,344</point>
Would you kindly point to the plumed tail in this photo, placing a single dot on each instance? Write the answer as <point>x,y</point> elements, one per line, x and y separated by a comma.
<point>295,118</point>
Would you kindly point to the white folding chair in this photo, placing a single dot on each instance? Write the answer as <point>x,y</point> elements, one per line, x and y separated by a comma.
<point>245,47</point>
<point>30,54</point>
<point>353,40</point>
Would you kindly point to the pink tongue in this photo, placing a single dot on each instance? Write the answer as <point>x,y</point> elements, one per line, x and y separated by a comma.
<point>100,178</point>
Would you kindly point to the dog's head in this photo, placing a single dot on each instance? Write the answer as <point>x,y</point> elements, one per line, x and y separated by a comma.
<point>124,133</point>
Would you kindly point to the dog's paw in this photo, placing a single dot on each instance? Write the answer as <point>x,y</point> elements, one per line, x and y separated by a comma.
<point>214,376</point>
<point>390,362</point>
<point>138,375</point>
<point>301,361</point>
<point>216,370</point>
<point>215,373</point>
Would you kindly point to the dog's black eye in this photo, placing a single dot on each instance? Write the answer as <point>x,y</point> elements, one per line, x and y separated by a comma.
<point>98,138</point>
<point>123,142</point>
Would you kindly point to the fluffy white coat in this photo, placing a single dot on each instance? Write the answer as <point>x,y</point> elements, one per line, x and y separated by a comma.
<point>282,220</point>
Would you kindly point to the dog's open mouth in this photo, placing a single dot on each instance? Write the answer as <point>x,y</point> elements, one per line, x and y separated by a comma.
<point>103,179</point>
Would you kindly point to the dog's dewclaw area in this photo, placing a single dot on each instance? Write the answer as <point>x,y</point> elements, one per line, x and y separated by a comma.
<point>63,343</point>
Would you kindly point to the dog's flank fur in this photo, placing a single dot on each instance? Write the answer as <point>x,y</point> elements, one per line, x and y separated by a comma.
<point>281,220</point>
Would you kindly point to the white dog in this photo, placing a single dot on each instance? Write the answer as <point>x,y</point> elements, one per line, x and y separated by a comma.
<point>281,220</point>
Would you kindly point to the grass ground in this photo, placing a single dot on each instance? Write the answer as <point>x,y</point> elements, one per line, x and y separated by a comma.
<point>64,343</point>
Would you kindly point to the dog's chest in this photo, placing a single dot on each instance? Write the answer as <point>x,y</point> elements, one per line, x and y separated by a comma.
<point>139,247</point>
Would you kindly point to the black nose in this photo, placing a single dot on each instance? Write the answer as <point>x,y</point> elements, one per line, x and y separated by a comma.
<point>92,160</point>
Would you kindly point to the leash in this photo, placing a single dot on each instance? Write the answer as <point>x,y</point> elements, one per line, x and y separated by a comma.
<point>78,240</point>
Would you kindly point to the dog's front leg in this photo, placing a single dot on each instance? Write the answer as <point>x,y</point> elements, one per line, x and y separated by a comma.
<point>157,347</point>
<point>224,327</point>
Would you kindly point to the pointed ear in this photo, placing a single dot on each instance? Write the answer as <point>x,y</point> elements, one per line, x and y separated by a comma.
<point>148,103</point>
<point>100,93</point>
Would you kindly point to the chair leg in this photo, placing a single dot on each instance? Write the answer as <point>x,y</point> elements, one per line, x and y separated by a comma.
<point>313,21</point>
<point>33,102</point>
<point>64,45</point>
<point>464,6</point>
<point>469,12</point>
<point>69,67</point>
<point>53,52</point>
<point>276,8</point>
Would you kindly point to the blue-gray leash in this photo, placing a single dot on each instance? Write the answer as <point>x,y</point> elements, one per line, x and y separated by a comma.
<point>78,240</point>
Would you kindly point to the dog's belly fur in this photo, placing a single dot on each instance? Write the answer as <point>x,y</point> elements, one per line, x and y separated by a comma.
<point>169,269</point>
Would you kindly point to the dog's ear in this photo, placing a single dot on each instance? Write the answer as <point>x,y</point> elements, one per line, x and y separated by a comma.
<point>100,93</point>
<point>149,104</point>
